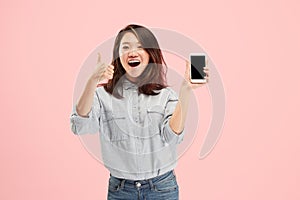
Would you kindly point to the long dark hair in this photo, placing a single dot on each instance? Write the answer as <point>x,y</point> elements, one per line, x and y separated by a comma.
<point>153,77</point>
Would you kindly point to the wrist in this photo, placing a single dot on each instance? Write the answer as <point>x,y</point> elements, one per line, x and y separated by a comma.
<point>185,92</point>
<point>185,86</point>
<point>92,82</point>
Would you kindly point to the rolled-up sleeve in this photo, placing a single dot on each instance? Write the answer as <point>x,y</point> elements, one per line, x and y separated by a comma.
<point>89,124</point>
<point>168,134</point>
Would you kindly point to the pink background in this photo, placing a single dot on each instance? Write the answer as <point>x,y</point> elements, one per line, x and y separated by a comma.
<point>254,45</point>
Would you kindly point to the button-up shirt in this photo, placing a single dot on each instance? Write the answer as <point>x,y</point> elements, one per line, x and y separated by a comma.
<point>135,136</point>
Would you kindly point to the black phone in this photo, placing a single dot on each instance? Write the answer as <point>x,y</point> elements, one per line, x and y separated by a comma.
<point>197,73</point>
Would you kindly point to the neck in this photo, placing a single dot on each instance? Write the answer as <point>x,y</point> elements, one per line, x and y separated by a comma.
<point>131,79</point>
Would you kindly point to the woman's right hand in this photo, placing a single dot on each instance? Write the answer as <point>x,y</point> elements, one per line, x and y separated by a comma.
<point>102,71</point>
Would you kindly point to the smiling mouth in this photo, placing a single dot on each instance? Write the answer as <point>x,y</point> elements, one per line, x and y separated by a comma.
<point>133,63</point>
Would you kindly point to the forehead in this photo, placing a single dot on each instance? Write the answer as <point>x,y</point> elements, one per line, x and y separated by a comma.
<point>129,38</point>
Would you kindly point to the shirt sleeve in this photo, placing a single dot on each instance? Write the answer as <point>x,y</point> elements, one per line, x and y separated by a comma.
<point>168,134</point>
<point>89,124</point>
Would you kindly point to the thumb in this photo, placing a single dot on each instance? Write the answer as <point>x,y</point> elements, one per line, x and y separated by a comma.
<point>99,58</point>
<point>187,65</point>
<point>187,69</point>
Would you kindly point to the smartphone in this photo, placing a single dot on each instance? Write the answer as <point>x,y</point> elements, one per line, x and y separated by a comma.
<point>198,61</point>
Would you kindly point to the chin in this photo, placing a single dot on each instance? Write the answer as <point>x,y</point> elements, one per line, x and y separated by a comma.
<point>134,76</point>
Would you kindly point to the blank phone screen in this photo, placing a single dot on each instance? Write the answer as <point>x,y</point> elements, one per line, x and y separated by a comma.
<point>197,64</point>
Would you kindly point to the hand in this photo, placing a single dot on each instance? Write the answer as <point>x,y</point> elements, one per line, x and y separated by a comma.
<point>102,71</point>
<point>187,76</point>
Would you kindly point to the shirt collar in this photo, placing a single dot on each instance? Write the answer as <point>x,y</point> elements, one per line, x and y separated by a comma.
<point>129,85</point>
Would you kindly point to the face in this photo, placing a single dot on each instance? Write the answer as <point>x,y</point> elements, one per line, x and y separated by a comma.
<point>134,58</point>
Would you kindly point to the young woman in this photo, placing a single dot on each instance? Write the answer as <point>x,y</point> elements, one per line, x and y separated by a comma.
<point>140,119</point>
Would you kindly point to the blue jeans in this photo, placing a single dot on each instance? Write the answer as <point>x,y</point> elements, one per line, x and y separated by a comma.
<point>163,187</point>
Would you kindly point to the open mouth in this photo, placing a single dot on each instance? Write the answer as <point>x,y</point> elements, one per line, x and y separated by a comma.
<point>134,63</point>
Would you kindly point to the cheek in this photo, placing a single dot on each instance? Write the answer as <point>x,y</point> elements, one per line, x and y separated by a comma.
<point>122,59</point>
<point>146,57</point>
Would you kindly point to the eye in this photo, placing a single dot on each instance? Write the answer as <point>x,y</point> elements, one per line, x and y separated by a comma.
<point>140,47</point>
<point>125,47</point>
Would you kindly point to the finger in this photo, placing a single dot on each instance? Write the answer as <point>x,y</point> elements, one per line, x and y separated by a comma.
<point>110,70</point>
<point>99,58</point>
<point>101,68</point>
<point>111,67</point>
<point>187,65</point>
<point>108,75</point>
<point>186,74</point>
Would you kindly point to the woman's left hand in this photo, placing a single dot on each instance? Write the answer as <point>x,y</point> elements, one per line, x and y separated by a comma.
<point>179,115</point>
<point>187,76</point>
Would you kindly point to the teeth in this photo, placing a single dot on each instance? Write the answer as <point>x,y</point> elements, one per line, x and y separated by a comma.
<point>133,61</point>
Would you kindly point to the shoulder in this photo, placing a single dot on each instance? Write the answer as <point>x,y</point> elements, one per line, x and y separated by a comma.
<point>169,92</point>
<point>100,89</point>
<point>101,93</point>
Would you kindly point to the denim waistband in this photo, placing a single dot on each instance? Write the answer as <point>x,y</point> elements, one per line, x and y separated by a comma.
<point>145,181</point>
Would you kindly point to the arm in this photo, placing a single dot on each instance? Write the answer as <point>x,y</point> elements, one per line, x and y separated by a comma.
<point>101,73</point>
<point>85,102</point>
<point>178,118</point>
<point>179,115</point>
<point>85,115</point>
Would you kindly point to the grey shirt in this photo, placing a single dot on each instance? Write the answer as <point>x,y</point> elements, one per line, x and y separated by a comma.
<point>135,136</point>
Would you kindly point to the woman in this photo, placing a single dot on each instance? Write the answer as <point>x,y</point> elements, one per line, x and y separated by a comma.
<point>140,119</point>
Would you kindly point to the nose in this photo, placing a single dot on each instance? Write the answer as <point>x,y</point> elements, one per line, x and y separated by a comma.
<point>133,52</point>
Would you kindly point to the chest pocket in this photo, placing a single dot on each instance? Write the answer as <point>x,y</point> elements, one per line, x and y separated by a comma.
<point>155,117</point>
<point>114,126</point>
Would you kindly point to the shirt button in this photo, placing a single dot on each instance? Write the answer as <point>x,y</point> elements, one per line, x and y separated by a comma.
<point>138,184</point>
